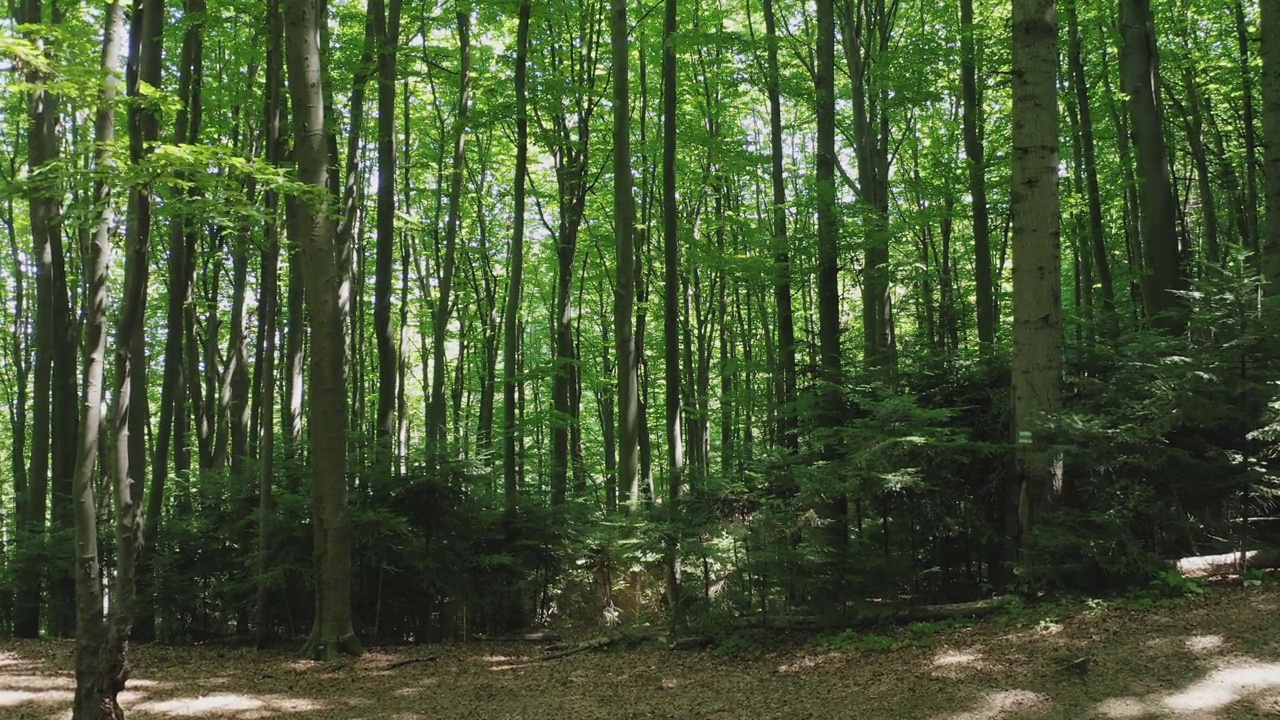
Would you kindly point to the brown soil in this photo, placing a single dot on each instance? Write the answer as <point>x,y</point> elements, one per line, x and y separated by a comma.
<point>1216,656</point>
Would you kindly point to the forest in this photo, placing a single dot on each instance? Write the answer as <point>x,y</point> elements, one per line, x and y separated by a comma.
<point>345,323</point>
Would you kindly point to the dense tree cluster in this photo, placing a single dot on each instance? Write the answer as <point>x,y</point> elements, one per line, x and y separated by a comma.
<point>699,307</point>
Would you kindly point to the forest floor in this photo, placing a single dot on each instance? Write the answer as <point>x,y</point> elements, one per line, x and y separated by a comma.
<point>1212,656</point>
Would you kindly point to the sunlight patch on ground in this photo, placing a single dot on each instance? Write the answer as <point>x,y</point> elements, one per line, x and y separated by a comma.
<point>227,705</point>
<point>1232,682</point>
<point>951,658</point>
<point>807,662</point>
<point>999,705</point>
<point>1224,686</point>
<point>1122,707</point>
<point>36,682</point>
<point>10,698</point>
<point>1201,644</point>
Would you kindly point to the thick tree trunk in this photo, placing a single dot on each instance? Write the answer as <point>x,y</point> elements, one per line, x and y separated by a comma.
<point>44,218</point>
<point>331,631</point>
<point>1037,302</point>
<point>830,363</point>
<point>1140,78</point>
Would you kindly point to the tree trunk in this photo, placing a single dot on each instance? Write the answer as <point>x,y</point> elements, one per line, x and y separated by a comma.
<point>1270,243</point>
<point>975,160</point>
<point>787,436</point>
<point>386,20</point>
<point>273,122</point>
<point>515,270</point>
<point>828,270</point>
<point>93,700</point>
<point>331,631</point>
<point>181,278</point>
<point>444,300</point>
<point>1037,302</point>
<point>624,287</point>
<point>1097,236</point>
<point>1140,78</point>
<point>671,302</point>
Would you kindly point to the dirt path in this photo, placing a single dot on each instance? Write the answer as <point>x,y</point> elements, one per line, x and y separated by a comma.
<point>1214,657</point>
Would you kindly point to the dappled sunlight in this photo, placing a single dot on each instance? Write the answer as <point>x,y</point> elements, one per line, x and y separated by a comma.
<point>1231,682</point>
<point>1225,686</point>
<point>228,705</point>
<point>36,682</point>
<point>808,662</point>
<point>999,705</point>
<point>12,698</point>
<point>1202,644</point>
<point>952,658</point>
<point>957,664</point>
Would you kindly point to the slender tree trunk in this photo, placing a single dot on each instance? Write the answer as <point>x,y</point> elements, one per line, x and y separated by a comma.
<point>1037,301</point>
<point>787,437</point>
<point>515,270</point>
<point>444,300</point>
<point>274,143</point>
<point>1251,240</point>
<point>173,391</point>
<point>386,20</point>
<point>94,700</point>
<point>975,159</point>
<point>1097,238</point>
<point>1270,242</point>
<point>331,631</point>
<point>624,288</point>
<point>671,302</point>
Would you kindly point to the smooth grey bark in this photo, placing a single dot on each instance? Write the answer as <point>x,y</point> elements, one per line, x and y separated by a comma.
<point>624,286</point>
<point>93,698</point>
<point>331,631</point>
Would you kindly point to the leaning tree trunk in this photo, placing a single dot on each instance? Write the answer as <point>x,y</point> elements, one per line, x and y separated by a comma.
<point>331,630</point>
